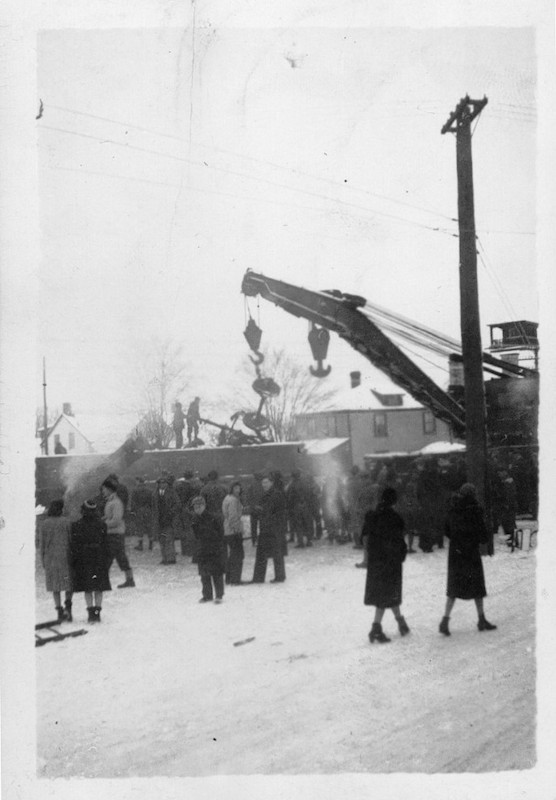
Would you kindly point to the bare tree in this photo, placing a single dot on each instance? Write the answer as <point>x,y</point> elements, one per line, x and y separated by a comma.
<point>161,378</point>
<point>300,393</point>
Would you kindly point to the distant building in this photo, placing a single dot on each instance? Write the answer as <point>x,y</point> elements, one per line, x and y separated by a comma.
<point>376,419</point>
<point>65,432</point>
<point>516,342</point>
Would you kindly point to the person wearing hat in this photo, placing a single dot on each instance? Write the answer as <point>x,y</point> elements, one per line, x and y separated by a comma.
<point>272,536</point>
<point>186,489</point>
<point>141,501</point>
<point>466,531</point>
<point>114,519</point>
<point>54,540</point>
<point>90,558</point>
<point>211,553</point>
<point>165,510</point>
<point>214,494</point>
<point>383,538</point>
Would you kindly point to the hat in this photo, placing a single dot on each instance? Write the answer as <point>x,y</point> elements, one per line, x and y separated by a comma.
<point>89,505</point>
<point>468,490</point>
<point>198,500</point>
<point>110,484</point>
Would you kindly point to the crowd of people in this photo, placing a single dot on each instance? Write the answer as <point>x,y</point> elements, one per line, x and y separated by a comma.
<point>207,519</point>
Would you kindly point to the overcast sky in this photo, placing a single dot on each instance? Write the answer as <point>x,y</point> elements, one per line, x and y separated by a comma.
<point>172,160</point>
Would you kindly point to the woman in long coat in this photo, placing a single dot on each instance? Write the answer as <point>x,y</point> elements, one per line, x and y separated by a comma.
<point>90,557</point>
<point>55,557</point>
<point>383,536</point>
<point>466,530</point>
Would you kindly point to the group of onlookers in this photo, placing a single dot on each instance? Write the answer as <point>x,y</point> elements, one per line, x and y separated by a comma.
<point>207,518</point>
<point>77,556</point>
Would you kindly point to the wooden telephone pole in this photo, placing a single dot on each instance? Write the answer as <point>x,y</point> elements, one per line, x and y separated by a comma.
<point>459,122</point>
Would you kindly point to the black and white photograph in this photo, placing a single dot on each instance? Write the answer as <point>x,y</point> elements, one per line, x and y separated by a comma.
<point>276,451</point>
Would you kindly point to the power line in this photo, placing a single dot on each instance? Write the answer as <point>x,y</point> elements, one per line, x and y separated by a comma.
<point>307,192</point>
<point>260,161</point>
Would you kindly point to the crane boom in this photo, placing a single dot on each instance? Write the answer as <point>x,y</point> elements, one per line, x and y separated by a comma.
<point>339,313</point>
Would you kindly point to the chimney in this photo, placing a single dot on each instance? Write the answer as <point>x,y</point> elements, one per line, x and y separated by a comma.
<point>355,378</point>
<point>66,409</point>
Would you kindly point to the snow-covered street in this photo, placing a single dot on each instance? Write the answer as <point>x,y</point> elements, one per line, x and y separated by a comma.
<point>161,687</point>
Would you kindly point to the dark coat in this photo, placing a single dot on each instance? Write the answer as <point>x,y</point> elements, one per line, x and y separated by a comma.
<point>386,547</point>
<point>165,509</point>
<point>466,530</point>
<point>272,536</point>
<point>214,495</point>
<point>90,555</point>
<point>211,551</point>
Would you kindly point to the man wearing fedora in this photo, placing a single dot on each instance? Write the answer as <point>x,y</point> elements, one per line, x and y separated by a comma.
<point>165,508</point>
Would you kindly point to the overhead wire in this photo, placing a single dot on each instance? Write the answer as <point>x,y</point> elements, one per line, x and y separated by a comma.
<point>265,162</point>
<point>235,173</point>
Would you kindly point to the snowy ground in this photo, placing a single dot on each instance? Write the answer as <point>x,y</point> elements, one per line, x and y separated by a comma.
<point>159,689</point>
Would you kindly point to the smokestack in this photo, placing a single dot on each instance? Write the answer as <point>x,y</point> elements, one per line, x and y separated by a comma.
<point>66,409</point>
<point>355,378</point>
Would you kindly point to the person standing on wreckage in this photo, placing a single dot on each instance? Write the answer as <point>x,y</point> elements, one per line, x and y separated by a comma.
<point>114,519</point>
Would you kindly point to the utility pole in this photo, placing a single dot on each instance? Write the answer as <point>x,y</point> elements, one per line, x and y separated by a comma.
<point>459,122</point>
<point>45,411</point>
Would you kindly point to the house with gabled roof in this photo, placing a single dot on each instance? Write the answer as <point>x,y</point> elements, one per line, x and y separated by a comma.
<point>377,417</point>
<point>64,436</point>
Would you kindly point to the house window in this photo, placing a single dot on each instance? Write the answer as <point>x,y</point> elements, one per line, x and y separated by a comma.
<point>71,441</point>
<point>429,422</point>
<point>380,424</point>
<point>56,439</point>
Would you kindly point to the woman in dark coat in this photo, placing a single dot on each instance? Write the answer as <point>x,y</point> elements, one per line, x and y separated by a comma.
<point>90,556</point>
<point>383,536</point>
<point>466,530</point>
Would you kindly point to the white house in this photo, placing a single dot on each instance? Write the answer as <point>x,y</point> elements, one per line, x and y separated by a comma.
<point>64,436</point>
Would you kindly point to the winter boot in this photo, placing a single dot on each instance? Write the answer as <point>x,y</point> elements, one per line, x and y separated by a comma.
<point>67,605</point>
<point>91,613</point>
<point>129,582</point>
<point>61,615</point>
<point>484,625</point>
<point>96,613</point>
<point>403,626</point>
<point>443,627</point>
<point>376,634</point>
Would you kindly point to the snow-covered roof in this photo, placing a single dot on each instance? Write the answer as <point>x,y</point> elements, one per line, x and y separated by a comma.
<point>367,397</point>
<point>439,448</point>
<point>73,422</point>
<point>317,447</point>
